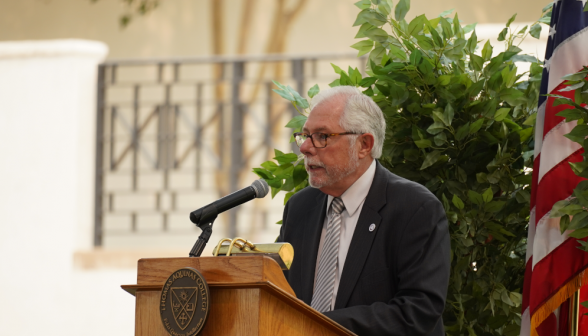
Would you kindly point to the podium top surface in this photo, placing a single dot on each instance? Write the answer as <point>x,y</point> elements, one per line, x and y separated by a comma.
<point>221,270</point>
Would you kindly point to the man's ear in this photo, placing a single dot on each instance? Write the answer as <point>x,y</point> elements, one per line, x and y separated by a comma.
<point>366,142</point>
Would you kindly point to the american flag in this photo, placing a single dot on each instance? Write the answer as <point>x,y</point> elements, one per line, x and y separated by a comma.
<point>555,267</point>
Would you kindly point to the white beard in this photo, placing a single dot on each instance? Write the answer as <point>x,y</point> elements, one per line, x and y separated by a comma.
<point>332,174</point>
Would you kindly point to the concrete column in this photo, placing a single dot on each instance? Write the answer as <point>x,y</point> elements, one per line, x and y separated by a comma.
<point>47,132</point>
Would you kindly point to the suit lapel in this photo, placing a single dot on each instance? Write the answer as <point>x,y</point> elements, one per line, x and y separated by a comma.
<point>363,238</point>
<point>312,237</point>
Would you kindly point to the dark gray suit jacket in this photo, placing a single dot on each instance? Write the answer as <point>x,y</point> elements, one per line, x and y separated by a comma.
<point>395,278</point>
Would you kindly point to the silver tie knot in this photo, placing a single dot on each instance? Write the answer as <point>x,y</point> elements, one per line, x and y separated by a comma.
<point>337,205</point>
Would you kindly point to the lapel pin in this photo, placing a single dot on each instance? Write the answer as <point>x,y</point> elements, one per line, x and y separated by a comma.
<point>372,227</point>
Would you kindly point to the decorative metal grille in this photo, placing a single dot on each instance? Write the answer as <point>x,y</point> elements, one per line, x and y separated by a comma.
<point>176,134</point>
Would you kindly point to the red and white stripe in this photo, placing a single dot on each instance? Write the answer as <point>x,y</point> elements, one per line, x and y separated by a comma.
<point>553,259</point>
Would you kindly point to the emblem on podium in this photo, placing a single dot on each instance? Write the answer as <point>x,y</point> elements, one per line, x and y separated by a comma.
<point>184,302</point>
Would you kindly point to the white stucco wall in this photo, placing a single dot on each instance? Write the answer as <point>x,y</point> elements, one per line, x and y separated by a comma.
<point>47,132</point>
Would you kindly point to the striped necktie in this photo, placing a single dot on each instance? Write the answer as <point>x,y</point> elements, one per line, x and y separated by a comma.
<point>325,280</point>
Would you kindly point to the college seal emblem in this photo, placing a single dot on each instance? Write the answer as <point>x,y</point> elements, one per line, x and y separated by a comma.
<point>183,306</point>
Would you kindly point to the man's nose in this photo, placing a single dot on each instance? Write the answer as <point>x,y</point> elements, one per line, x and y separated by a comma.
<point>307,148</point>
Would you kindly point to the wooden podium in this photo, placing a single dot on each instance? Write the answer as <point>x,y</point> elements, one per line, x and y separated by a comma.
<point>248,296</point>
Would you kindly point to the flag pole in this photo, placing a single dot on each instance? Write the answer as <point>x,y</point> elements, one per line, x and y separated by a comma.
<point>574,313</point>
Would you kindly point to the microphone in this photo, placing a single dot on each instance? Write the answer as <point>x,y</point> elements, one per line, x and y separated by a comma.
<point>258,189</point>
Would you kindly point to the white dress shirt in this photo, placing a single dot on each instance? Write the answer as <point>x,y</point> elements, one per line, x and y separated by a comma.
<point>353,199</point>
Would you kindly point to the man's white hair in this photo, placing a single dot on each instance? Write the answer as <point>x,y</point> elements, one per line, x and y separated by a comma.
<point>360,114</point>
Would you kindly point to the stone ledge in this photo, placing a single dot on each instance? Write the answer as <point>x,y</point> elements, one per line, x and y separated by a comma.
<point>119,259</point>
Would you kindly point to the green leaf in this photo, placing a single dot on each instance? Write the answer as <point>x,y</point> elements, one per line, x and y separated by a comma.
<point>531,120</point>
<point>284,170</point>
<point>364,47</point>
<point>377,34</point>
<point>416,57</point>
<point>297,122</point>
<point>298,100</point>
<point>523,179</point>
<point>367,82</point>
<point>425,42</point>
<point>509,76</point>
<point>511,20</point>
<point>401,9</point>
<point>355,76</point>
<point>487,51</point>
<point>476,62</point>
<point>578,134</point>
<point>572,87</point>
<point>488,195</point>
<point>511,95</point>
<point>299,174</point>
<point>336,82</point>
<point>457,30</point>
<point>436,37</point>
<point>370,16</point>
<point>377,53</point>
<point>440,139</point>
<point>502,35</point>
<point>501,113</point>
<point>524,58</point>
<point>494,206</point>
<point>564,222</point>
<point>385,7</point>
<point>363,4</point>
<point>523,31</point>
<point>313,91</point>
<point>416,25</point>
<point>337,69</point>
<point>444,80</point>
<point>448,114</point>
<point>457,202</point>
<point>575,76</point>
<point>280,85</point>
<point>535,30</point>
<point>430,159</point>
<point>462,176</point>
<point>476,125</point>
<point>435,128</point>
<point>481,177</point>
<point>475,197</point>
<point>285,94</point>
<point>571,114</point>
<point>364,27</point>
<point>472,43</point>
<point>580,233</point>
<point>397,53</point>
<point>275,183</point>
<point>269,165</point>
<point>286,158</point>
<point>525,134</point>
<point>462,132</point>
<point>446,28</point>
<point>264,174</point>
<point>423,143</point>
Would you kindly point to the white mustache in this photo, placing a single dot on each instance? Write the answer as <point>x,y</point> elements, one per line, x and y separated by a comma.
<point>308,163</point>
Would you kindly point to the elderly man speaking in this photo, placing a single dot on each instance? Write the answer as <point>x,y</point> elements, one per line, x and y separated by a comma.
<point>372,248</point>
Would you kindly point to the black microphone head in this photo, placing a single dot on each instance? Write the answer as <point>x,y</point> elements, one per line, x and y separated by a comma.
<point>261,188</point>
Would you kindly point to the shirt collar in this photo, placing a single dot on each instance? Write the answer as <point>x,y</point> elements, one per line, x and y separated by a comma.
<point>354,195</point>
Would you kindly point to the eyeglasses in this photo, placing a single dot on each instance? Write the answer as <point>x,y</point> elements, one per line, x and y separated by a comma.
<point>319,140</point>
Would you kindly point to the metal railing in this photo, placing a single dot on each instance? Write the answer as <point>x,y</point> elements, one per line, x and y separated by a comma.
<point>173,133</point>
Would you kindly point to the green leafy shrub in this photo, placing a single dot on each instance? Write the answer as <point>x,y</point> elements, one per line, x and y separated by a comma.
<point>459,121</point>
